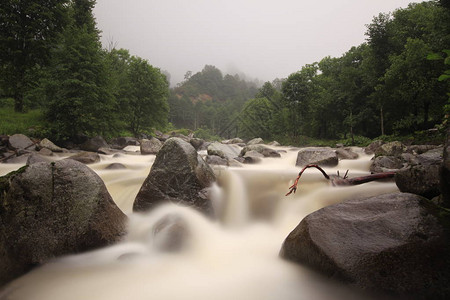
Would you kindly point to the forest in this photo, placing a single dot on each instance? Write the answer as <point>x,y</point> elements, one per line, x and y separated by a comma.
<point>395,83</point>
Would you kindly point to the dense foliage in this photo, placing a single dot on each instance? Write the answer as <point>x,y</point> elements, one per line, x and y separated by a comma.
<point>396,82</point>
<point>52,60</point>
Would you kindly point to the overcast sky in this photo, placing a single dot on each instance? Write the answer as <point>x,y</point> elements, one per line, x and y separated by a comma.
<point>261,38</point>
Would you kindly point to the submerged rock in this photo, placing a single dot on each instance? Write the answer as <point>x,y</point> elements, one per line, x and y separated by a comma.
<point>52,209</point>
<point>86,157</point>
<point>178,175</point>
<point>320,156</point>
<point>170,233</point>
<point>394,244</point>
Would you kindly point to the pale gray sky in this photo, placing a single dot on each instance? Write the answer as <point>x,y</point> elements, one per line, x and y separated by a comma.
<point>261,38</point>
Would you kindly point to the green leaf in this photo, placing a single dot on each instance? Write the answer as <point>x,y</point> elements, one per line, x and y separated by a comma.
<point>434,56</point>
<point>444,77</point>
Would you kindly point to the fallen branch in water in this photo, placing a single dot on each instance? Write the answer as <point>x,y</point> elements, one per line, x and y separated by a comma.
<point>337,180</point>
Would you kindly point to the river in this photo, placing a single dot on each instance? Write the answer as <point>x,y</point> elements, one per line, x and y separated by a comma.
<point>234,256</point>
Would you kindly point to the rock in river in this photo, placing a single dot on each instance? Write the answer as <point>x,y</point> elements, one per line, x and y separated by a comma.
<point>395,244</point>
<point>178,175</point>
<point>52,209</point>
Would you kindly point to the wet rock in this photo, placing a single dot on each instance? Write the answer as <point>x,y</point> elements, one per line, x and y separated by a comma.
<point>47,144</point>
<point>178,175</point>
<point>373,147</point>
<point>419,149</point>
<point>256,141</point>
<point>196,143</point>
<point>36,158</point>
<point>394,244</point>
<point>45,152</point>
<point>93,144</point>
<point>115,166</point>
<point>226,151</point>
<point>170,234</point>
<point>274,143</point>
<point>86,157</point>
<point>421,180</point>
<point>216,160</point>
<point>386,164</point>
<point>391,149</point>
<point>320,156</point>
<point>265,151</point>
<point>346,153</point>
<point>151,146</point>
<point>19,141</point>
<point>52,209</point>
<point>253,153</point>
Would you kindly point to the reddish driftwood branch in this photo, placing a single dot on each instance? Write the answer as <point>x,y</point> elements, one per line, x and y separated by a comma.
<point>341,181</point>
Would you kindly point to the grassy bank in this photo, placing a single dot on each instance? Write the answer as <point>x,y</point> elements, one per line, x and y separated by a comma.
<point>30,123</point>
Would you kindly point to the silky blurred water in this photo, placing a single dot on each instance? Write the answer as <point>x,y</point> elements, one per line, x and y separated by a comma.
<point>234,256</point>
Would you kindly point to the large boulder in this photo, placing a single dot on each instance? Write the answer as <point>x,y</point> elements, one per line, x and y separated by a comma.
<point>150,146</point>
<point>19,141</point>
<point>394,244</point>
<point>52,209</point>
<point>420,179</point>
<point>93,144</point>
<point>226,151</point>
<point>178,175</point>
<point>233,141</point>
<point>320,156</point>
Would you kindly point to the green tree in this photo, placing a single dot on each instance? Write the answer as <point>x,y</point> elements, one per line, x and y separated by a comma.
<point>78,88</point>
<point>146,96</point>
<point>28,31</point>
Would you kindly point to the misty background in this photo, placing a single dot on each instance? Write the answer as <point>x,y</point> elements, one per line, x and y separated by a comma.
<point>260,38</point>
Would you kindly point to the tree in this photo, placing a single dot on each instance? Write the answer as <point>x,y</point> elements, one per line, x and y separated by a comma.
<point>146,97</point>
<point>79,94</point>
<point>28,31</point>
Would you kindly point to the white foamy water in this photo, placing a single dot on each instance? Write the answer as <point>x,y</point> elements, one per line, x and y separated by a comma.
<point>232,257</point>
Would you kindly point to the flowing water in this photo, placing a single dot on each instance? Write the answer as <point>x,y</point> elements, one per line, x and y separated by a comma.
<point>234,256</point>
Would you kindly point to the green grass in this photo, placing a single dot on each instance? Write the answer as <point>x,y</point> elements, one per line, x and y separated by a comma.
<point>30,122</point>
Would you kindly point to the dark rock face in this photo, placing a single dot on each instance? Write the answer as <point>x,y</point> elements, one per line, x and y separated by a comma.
<point>197,143</point>
<point>93,144</point>
<point>52,209</point>
<point>19,141</point>
<point>445,173</point>
<point>86,157</point>
<point>151,146</point>
<point>319,156</point>
<point>178,175</point>
<point>421,180</point>
<point>392,244</point>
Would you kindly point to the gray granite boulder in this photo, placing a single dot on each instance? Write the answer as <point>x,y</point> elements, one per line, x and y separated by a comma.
<point>321,156</point>
<point>178,175</point>
<point>394,244</point>
<point>150,146</point>
<point>226,151</point>
<point>19,141</point>
<point>47,144</point>
<point>52,209</point>
<point>93,144</point>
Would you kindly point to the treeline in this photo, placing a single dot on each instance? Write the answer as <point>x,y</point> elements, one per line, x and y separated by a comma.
<point>208,100</point>
<point>395,83</point>
<point>51,58</point>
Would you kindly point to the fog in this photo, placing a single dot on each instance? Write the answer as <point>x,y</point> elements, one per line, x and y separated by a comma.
<point>261,38</point>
